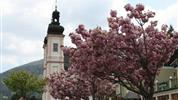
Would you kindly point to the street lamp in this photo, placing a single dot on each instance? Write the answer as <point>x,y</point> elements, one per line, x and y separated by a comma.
<point>156,85</point>
<point>170,82</point>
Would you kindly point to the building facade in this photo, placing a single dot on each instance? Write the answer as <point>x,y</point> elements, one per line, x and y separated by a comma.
<point>166,83</point>
<point>53,55</point>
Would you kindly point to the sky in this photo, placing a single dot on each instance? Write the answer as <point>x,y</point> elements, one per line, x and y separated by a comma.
<point>23,23</point>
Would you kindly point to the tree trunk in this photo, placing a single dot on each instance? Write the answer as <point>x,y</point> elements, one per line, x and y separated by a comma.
<point>93,96</point>
<point>149,94</point>
<point>94,89</point>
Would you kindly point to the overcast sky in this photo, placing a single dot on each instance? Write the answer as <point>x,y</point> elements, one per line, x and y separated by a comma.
<point>24,22</point>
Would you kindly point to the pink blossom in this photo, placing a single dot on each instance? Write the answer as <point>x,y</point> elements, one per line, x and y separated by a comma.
<point>150,14</point>
<point>154,23</point>
<point>145,20</point>
<point>140,7</point>
<point>81,27</point>
<point>128,7</point>
<point>130,15</point>
<point>135,13</point>
<point>164,27</point>
<point>113,13</point>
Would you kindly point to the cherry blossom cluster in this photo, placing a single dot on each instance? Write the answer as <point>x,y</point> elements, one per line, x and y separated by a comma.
<point>65,86</point>
<point>73,85</point>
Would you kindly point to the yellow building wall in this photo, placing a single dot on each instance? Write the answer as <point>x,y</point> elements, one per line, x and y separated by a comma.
<point>165,74</point>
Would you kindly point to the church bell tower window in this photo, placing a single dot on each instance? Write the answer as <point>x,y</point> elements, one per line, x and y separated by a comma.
<point>55,47</point>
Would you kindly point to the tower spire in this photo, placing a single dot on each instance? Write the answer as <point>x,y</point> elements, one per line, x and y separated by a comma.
<point>55,27</point>
<point>56,5</point>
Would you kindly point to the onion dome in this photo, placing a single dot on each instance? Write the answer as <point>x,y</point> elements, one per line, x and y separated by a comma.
<point>55,27</point>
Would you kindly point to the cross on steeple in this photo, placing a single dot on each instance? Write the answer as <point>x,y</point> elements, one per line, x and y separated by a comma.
<point>56,5</point>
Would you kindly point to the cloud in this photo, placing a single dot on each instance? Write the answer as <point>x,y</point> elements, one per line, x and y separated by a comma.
<point>92,13</point>
<point>166,15</point>
<point>119,6</point>
<point>6,7</point>
<point>22,46</point>
<point>18,50</point>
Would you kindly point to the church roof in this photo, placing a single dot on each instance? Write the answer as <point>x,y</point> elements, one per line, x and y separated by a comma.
<point>55,27</point>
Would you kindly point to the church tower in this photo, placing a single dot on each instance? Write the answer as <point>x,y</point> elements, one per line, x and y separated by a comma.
<point>53,55</point>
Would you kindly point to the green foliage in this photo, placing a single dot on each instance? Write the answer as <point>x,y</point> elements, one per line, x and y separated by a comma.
<point>15,97</point>
<point>24,83</point>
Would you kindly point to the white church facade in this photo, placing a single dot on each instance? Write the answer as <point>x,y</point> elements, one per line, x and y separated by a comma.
<point>53,55</point>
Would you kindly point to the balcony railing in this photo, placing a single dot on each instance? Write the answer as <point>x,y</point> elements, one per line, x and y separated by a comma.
<point>166,85</point>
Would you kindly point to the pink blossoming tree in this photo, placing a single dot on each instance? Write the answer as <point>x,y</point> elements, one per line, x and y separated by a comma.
<point>70,84</point>
<point>65,86</point>
<point>131,53</point>
<point>99,87</point>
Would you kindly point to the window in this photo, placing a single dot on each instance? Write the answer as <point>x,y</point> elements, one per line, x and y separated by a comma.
<point>164,97</point>
<point>175,96</point>
<point>55,47</point>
